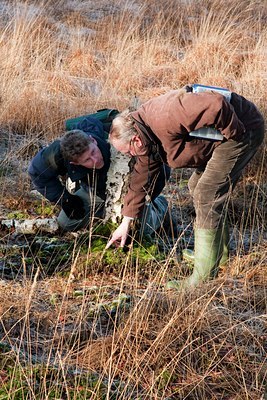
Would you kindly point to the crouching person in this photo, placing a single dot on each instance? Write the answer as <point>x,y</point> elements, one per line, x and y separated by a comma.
<point>83,157</point>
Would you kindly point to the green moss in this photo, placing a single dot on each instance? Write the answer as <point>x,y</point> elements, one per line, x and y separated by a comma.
<point>98,244</point>
<point>45,210</point>
<point>144,252</point>
<point>148,252</point>
<point>17,215</point>
<point>105,230</point>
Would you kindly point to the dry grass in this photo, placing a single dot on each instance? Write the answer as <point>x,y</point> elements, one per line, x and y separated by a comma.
<point>60,59</point>
<point>209,343</point>
<point>57,62</point>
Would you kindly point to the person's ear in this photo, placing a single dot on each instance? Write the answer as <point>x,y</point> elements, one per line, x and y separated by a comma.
<point>137,141</point>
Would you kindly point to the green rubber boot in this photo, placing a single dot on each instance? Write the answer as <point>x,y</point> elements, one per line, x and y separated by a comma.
<point>189,255</point>
<point>208,253</point>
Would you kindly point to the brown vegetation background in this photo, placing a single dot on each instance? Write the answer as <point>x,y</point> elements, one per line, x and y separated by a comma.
<point>60,59</point>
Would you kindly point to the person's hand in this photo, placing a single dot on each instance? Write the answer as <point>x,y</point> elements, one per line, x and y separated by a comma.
<point>119,236</point>
<point>73,207</point>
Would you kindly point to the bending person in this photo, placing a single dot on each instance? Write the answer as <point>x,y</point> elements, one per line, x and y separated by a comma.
<point>159,132</point>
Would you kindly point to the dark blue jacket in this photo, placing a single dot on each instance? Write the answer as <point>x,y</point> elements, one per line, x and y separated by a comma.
<point>48,166</point>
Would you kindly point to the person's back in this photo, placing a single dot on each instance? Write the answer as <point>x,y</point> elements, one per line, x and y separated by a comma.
<point>246,111</point>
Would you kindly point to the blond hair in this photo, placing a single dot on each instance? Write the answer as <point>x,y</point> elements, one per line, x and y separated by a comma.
<point>122,127</point>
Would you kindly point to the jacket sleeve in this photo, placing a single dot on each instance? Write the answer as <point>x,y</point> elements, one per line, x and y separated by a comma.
<point>44,174</point>
<point>143,176</point>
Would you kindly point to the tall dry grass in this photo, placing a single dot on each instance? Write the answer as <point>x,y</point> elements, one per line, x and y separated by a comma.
<point>57,62</point>
<point>61,59</point>
<point>208,343</point>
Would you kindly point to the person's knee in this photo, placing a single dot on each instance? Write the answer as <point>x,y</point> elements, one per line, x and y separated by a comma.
<point>192,184</point>
<point>202,204</point>
<point>70,225</point>
<point>193,181</point>
<point>209,207</point>
<point>84,196</point>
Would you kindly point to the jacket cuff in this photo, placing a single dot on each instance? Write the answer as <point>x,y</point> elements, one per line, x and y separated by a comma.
<point>125,218</point>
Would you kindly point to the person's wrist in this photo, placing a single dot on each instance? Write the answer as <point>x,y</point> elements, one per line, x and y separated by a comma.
<point>127,221</point>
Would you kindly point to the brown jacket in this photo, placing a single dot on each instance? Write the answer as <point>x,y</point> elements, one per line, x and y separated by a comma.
<point>164,124</point>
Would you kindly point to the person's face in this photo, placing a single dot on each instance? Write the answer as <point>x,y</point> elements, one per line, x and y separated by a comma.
<point>131,148</point>
<point>91,158</point>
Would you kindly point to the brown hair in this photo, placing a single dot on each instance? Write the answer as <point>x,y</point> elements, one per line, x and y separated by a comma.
<point>74,143</point>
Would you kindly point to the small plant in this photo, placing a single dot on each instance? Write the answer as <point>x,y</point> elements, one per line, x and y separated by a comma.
<point>17,215</point>
<point>45,210</point>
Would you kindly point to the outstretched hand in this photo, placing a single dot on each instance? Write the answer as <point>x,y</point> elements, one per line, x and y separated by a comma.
<point>119,236</point>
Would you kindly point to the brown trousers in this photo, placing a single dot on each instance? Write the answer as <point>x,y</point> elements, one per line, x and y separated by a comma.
<point>211,186</point>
